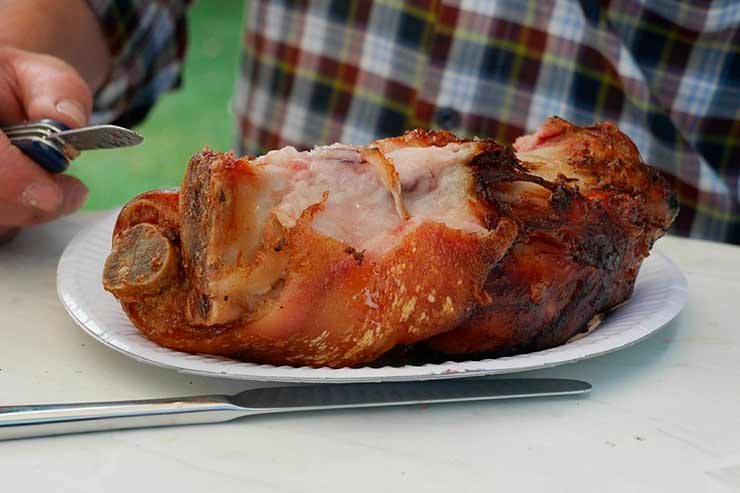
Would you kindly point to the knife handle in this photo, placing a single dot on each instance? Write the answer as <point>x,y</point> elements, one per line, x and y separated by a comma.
<point>43,154</point>
<point>35,140</point>
<point>59,419</point>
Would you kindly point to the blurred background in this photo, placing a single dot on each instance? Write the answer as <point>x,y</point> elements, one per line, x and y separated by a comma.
<point>183,122</point>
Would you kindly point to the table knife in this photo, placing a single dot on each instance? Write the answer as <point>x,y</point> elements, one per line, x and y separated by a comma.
<point>57,419</point>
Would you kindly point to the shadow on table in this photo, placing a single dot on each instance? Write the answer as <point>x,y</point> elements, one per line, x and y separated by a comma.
<point>609,372</point>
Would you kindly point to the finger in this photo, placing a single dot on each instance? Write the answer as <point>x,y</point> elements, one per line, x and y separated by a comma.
<point>25,183</point>
<point>39,86</point>
<point>75,193</point>
<point>14,215</point>
<point>34,86</point>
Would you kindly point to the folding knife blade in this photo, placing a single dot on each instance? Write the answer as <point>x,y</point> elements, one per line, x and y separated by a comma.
<point>99,137</point>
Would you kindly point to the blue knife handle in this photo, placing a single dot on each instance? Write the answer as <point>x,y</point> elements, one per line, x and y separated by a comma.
<point>45,155</point>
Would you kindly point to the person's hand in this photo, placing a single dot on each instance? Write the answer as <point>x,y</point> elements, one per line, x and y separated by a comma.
<point>32,87</point>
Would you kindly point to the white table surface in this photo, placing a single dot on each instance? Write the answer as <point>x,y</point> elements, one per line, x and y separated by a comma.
<point>664,415</point>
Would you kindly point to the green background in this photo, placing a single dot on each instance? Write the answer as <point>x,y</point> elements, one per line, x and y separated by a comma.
<point>183,122</point>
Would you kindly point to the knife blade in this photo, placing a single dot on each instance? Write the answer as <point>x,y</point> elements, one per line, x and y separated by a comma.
<point>57,419</point>
<point>314,397</point>
<point>99,137</point>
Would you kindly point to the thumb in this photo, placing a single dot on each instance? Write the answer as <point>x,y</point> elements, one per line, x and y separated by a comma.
<point>44,87</point>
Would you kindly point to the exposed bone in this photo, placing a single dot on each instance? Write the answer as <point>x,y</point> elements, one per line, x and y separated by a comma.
<point>227,237</point>
<point>143,261</point>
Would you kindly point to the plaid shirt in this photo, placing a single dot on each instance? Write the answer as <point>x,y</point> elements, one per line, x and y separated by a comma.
<point>313,72</point>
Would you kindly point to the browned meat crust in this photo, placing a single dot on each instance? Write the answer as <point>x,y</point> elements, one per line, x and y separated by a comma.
<point>560,225</point>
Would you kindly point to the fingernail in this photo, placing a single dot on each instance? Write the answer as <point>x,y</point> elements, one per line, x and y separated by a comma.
<point>42,197</point>
<point>74,110</point>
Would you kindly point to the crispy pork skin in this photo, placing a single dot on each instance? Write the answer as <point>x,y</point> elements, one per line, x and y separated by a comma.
<point>334,256</point>
<point>588,210</point>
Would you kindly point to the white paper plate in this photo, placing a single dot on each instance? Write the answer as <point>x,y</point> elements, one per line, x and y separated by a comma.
<point>660,293</point>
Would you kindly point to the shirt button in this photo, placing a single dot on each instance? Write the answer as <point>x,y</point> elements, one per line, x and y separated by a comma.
<point>448,119</point>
